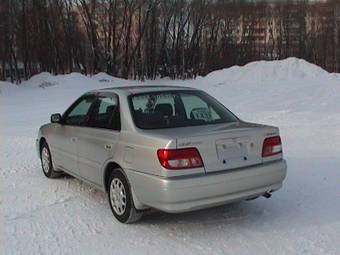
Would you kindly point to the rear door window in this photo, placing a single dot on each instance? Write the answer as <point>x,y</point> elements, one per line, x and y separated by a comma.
<point>105,113</point>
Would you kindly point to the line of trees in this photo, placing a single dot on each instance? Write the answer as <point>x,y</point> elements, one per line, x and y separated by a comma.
<point>150,38</point>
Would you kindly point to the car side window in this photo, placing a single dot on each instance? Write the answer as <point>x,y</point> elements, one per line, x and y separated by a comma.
<point>79,113</point>
<point>104,114</point>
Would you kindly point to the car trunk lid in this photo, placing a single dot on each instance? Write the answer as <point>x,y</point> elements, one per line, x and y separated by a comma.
<point>229,146</point>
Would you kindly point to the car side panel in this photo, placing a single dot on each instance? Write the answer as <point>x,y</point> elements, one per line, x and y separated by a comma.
<point>139,152</point>
<point>60,139</point>
<point>95,146</point>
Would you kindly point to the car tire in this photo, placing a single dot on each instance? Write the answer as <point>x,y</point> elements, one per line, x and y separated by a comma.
<point>120,198</point>
<point>46,161</point>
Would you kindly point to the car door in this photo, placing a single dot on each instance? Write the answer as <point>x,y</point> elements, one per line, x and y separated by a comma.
<point>96,143</point>
<point>64,144</point>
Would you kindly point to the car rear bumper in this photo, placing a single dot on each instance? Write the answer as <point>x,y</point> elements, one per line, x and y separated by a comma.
<point>183,194</point>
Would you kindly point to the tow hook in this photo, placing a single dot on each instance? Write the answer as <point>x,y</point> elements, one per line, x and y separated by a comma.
<point>267,194</point>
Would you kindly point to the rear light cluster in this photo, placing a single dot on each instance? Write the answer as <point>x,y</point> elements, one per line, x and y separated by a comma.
<point>176,159</point>
<point>271,146</point>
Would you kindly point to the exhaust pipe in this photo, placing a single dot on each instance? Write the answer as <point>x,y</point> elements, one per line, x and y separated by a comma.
<point>267,194</point>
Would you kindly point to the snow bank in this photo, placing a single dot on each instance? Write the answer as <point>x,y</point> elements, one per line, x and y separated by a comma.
<point>44,216</point>
<point>106,78</point>
<point>289,85</point>
<point>40,79</point>
<point>269,72</point>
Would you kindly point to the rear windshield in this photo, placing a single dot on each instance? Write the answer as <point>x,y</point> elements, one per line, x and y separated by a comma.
<point>170,109</point>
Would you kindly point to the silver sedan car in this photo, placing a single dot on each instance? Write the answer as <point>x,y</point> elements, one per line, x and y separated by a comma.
<point>175,149</point>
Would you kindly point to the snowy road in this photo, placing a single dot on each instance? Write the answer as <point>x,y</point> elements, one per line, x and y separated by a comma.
<point>66,216</point>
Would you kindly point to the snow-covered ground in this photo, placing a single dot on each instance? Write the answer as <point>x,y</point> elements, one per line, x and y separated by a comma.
<point>66,216</point>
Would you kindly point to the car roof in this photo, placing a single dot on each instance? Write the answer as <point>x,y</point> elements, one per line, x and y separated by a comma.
<point>137,89</point>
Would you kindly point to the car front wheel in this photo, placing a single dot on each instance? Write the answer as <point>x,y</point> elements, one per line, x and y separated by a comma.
<point>120,198</point>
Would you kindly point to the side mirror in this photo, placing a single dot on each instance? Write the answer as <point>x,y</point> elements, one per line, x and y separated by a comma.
<point>56,118</point>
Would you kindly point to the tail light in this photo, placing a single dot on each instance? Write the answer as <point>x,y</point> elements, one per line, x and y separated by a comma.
<point>176,159</point>
<point>271,146</point>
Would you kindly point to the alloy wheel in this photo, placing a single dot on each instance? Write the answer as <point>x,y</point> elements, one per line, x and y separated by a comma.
<point>118,196</point>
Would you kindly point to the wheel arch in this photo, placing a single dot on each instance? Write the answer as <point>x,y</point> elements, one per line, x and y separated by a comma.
<point>109,168</point>
<point>41,142</point>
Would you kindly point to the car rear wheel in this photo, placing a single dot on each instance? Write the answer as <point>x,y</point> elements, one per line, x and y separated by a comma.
<point>120,198</point>
<point>46,162</point>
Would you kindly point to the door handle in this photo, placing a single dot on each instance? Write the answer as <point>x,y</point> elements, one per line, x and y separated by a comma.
<point>108,146</point>
<point>73,139</point>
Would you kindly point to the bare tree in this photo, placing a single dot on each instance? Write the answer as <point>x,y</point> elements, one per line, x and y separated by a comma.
<point>150,38</point>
